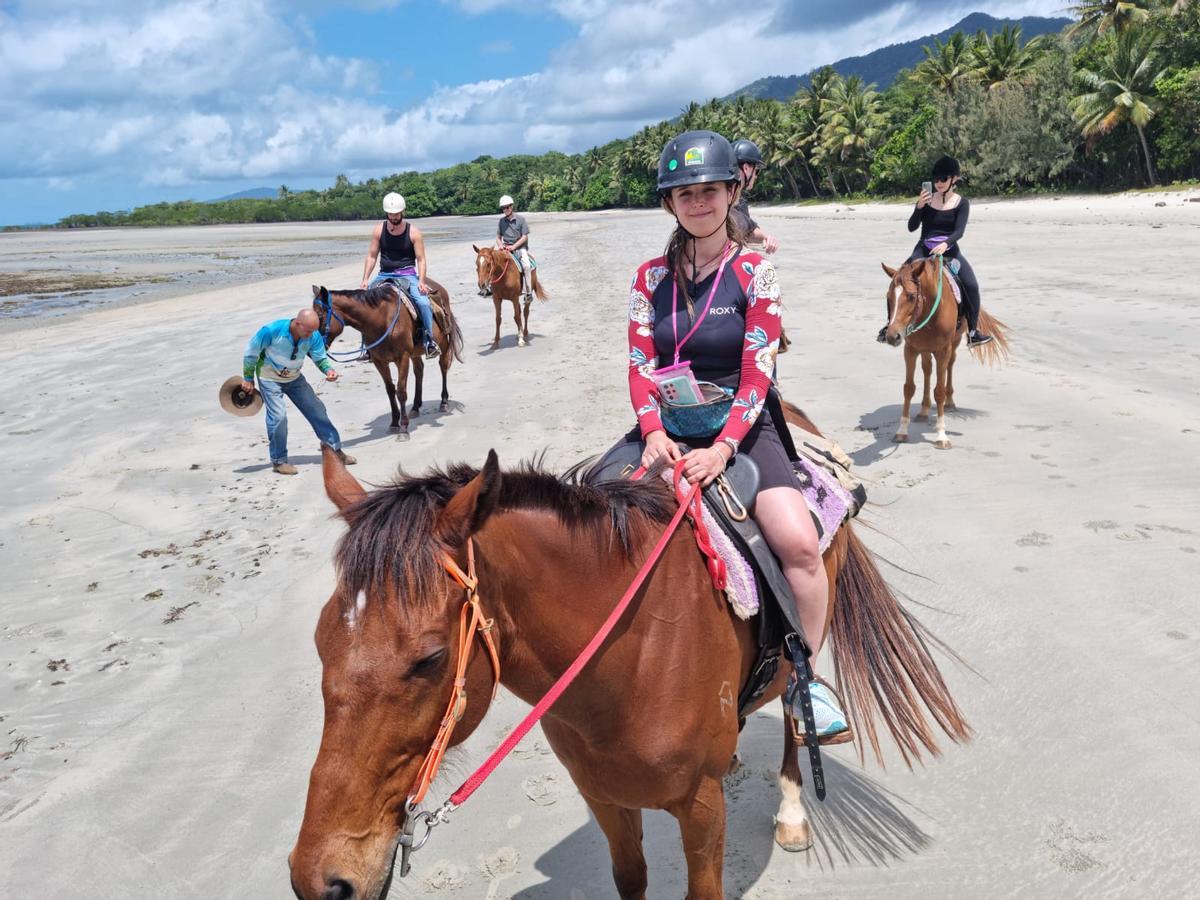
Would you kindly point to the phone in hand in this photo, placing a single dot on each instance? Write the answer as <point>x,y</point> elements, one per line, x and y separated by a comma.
<point>927,187</point>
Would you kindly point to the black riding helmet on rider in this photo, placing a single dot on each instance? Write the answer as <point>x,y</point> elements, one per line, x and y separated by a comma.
<point>692,158</point>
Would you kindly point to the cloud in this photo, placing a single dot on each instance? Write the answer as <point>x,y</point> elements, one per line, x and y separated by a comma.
<point>193,91</point>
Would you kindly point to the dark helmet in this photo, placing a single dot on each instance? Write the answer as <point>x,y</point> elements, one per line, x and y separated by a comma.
<point>695,157</point>
<point>947,165</point>
<point>747,151</point>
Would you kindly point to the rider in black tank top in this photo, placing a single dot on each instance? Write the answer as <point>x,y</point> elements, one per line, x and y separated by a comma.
<point>396,250</point>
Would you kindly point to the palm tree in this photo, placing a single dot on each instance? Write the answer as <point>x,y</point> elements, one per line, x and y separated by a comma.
<point>1121,91</point>
<point>804,133</point>
<point>853,124</point>
<point>1101,16</point>
<point>946,65</point>
<point>1000,57</point>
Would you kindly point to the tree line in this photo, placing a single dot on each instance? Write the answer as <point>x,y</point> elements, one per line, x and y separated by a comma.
<point>1112,102</point>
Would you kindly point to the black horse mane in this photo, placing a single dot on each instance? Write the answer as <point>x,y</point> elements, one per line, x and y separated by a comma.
<point>391,542</point>
<point>381,293</point>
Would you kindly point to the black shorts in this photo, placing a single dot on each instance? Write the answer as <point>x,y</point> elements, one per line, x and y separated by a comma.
<point>761,444</point>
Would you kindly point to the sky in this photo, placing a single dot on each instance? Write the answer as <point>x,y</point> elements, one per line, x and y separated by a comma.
<point>111,104</point>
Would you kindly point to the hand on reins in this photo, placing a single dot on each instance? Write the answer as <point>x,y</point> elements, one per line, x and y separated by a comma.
<point>703,465</point>
<point>423,287</point>
<point>940,249</point>
<point>365,283</point>
<point>658,444</point>
<point>331,375</point>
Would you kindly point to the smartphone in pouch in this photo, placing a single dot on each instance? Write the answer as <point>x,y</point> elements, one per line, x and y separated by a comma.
<point>927,187</point>
<point>678,385</point>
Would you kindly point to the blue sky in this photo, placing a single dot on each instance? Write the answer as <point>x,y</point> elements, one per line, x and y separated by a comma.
<point>110,104</point>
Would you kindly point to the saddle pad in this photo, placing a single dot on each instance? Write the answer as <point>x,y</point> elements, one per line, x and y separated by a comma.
<point>830,503</point>
<point>517,260</point>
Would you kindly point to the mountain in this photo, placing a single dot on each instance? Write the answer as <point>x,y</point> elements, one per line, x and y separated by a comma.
<point>262,193</point>
<point>881,66</point>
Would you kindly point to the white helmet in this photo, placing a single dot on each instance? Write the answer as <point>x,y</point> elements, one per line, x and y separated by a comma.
<point>393,203</point>
<point>506,201</point>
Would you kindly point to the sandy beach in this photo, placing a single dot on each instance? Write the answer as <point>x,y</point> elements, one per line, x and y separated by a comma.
<point>160,701</point>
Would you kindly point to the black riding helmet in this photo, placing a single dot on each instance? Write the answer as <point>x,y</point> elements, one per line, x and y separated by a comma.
<point>947,165</point>
<point>695,157</point>
<point>746,151</point>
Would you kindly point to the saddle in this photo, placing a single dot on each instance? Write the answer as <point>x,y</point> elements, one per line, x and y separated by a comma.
<point>516,258</point>
<point>439,312</point>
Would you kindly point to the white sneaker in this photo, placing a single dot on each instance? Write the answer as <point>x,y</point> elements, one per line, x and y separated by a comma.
<point>827,715</point>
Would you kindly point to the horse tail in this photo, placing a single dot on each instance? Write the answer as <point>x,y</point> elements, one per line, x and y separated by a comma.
<point>996,350</point>
<point>456,335</point>
<point>537,287</point>
<point>883,664</point>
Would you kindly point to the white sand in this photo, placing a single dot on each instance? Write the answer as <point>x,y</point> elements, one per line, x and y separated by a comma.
<point>1058,541</point>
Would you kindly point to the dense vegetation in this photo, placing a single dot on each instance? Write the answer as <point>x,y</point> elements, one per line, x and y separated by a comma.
<point>1112,102</point>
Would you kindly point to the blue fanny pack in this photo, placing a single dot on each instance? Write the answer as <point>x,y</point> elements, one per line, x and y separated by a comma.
<point>698,420</point>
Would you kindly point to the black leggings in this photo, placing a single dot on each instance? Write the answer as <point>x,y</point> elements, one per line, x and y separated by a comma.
<point>966,278</point>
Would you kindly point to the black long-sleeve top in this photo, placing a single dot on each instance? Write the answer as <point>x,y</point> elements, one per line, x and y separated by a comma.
<point>951,223</point>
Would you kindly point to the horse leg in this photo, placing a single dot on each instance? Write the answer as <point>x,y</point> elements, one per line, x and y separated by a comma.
<point>910,388</point>
<point>525,329</point>
<point>418,364</point>
<point>949,404</point>
<point>623,828</point>
<point>939,395</point>
<point>927,369</point>
<point>444,362</point>
<point>516,301</point>
<point>792,831</point>
<point>702,825</point>
<point>402,389</point>
<point>384,368</point>
<point>497,301</point>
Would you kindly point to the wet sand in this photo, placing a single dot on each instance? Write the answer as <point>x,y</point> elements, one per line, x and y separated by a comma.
<point>160,705</point>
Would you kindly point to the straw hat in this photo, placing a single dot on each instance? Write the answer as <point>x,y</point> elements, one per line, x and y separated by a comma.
<point>236,401</point>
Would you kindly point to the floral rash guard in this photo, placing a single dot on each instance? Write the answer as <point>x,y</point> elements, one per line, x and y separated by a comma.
<point>736,342</point>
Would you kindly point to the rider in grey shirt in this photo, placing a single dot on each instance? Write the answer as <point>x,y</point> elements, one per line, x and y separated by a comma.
<point>512,234</point>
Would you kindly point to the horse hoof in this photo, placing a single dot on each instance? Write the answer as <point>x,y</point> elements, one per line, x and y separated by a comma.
<point>402,436</point>
<point>735,763</point>
<point>942,445</point>
<point>793,838</point>
<point>521,342</point>
<point>415,412</point>
<point>900,439</point>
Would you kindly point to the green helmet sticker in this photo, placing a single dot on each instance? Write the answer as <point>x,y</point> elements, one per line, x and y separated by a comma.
<point>694,156</point>
<point>673,165</point>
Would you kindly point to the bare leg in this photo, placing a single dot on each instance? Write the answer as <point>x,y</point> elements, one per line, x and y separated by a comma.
<point>910,388</point>
<point>787,525</point>
<point>702,825</point>
<point>623,828</point>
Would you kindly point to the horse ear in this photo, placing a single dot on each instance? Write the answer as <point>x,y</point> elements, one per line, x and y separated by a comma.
<point>470,507</point>
<point>317,291</point>
<point>341,487</point>
<point>891,273</point>
<point>918,268</point>
<point>476,249</point>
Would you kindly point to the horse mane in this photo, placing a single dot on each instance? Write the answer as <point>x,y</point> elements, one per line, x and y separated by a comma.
<point>391,541</point>
<point>381,293</point>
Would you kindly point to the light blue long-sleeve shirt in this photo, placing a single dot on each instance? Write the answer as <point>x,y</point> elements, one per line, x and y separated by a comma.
<point>274,355</point>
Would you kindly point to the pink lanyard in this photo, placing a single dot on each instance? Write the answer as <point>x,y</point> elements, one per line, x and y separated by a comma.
<point>700,318</point>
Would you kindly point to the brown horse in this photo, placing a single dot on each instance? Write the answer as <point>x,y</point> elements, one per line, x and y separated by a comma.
<point>924,315</point>
<point>372,312</point>
<point>495,269</point>
<point>651,723</point>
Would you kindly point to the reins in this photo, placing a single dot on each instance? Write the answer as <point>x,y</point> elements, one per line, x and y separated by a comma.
<point>351,356</point>
<point>507,260</point>
<point>908,329</point>
<point>689,505</point>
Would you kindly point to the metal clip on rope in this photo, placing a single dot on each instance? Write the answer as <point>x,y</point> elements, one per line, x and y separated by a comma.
<point>409,842</point>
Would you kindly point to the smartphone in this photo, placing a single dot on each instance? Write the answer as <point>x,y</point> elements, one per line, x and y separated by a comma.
<point>927,187</point>
<point>680,390</point>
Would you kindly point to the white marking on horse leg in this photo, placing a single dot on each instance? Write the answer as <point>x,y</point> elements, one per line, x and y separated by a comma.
<point>792,831</point>
<point>903,429</point>
<point>941,428</point>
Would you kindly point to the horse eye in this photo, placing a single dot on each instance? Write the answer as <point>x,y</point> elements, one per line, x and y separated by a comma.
<point>428,665</point>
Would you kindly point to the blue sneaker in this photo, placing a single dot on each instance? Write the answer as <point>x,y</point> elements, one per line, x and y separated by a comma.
<point>832,725</point>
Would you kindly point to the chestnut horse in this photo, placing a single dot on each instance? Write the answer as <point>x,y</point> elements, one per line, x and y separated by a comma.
<point>371,312</point>
<point>496,269</point>
<point>651,723</point>
<point>925,316</point>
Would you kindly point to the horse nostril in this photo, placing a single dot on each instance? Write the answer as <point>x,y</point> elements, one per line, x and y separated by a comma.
<point>339,889</point>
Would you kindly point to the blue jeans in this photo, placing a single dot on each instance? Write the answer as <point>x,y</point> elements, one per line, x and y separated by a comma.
<point>409,283</point>
<point>310,406</point>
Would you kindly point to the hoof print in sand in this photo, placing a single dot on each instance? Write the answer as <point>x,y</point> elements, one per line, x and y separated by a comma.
<point>1033,539</point>
<point>543,790</point>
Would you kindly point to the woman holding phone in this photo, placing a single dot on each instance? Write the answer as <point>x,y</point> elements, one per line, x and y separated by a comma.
<point>708,311</point>
<point>941,214</point>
